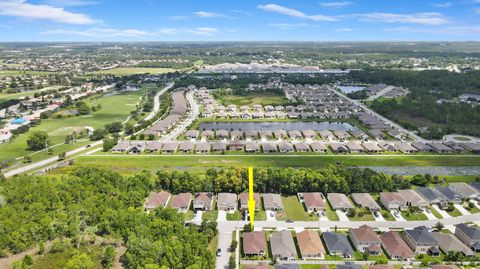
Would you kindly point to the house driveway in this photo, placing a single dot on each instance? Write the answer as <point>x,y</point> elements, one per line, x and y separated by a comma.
<point>461,209</point>
<point>398,217</point>
<point>222,215</point>
<point>269,217</point>
<point>430,216</point>
<point>444,213</point>
<point>341,215</point>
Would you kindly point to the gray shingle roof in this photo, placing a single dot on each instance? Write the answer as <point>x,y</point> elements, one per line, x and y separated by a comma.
<point>337,243</point>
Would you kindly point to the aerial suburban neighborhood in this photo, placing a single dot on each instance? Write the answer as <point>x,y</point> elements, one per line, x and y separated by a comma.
<point>239,134</point>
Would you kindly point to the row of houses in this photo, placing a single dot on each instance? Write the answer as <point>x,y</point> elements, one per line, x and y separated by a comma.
<point>398,245</point>
<point>346,265</point>
<point>278,134</point>
<point>205,201</point>
<point>176,113</point>
<point>203,147</point>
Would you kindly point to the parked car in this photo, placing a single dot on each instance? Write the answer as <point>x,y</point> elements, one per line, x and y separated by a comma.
<point>219,252</point>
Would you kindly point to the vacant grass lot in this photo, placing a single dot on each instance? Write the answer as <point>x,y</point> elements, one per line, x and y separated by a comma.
<point>257,98</point>
<point>133,163</point>
<point>8,96</point>
<point>409,215</point>
<point>295,210</point>
<point>60,259</point>
<point>58,128</point>
<point>125,71</point>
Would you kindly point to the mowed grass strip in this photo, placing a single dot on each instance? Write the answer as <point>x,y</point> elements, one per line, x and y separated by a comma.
<point>134,163</point>
<point>295,210</point>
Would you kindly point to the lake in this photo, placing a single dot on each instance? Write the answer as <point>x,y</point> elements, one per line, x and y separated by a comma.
<point>287,126</point>
<point>432,170</point>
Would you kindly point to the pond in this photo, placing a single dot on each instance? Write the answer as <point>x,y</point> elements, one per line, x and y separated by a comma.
<point>287,126</point>
<point>350,89</point>
<point>432,170</point>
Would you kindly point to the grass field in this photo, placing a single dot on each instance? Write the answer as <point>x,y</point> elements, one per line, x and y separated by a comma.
<point>60,259</point>
<point>20,73</point>
<point>410,216</point>
<point>331,214</point>
<point>264,98</point>
<point>133,163</point>
<point>436,213</point>
<point>58,128</point>
<point>7,96</point>
<point>125,71</point>
<point>454,213</point>
<point>295,211</point>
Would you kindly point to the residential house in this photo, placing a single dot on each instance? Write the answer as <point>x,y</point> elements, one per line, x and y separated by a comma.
<point>252,147</point>
<point>186,146</point>
<point>121,147</point>
<point>338,148</point>
<point>269,147</point>
<point>280,134</point>
<point>318,147</point>
<point>245,196</point>
<point>285,147</point>
<point>469,235</point>
<point>395,246</point>
<point>413,198</point>
<point>219,147</point>
<point>449,194</point>
<point>465,190</point>
<point>181,201</point>
<point>192,134</point>
<point>393,201</point>
<point>405,147</point>
<point>226,201</point>
<point>203,201</point>
<point>354,147</point>
<point>337,244</point>
<point>440,148</point>
<point>254,244</point>
<point>366,240</point>
<point>326,135</point>
<point>302,147</point>
<point>450,243</point>
<point>310,245</point>
<point>432,197</point>
<point>339,201</point>
<point>421,146</point>
<point>366,200</point>
<point>313,201</point>
<point>272,201</point>
<point>169,147</point>
<point>156,199</point>
<point>282,246</point>
<point>202,147</point>
<point>421,241</point>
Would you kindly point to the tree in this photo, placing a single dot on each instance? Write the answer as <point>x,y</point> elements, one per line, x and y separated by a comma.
<point>83,109</point>
<point>108,257</point>
<point>419,180</point>
<point>439,226</point>
<point>62,156</point>
<point>81,261</point>
<point>27,159</point>
<point>38,140</point>
<point>128,129</point>
<point>113,127</point>
<point>109,143</point>
<point>97,134</point>
<point>27,260</point>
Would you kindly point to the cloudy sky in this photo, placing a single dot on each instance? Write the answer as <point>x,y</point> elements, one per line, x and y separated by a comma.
<point>245,20</point>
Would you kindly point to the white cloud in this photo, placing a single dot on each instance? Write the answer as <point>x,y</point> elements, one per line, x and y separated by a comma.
<point>206,14</point>
<point>336,4</point>
<point>443,5</point>
<point>344,30</point>
<point>429,18</point>
<point>70,3</point>
<point>100,32</point>
<point>274,8</point>
<point>22,9</point>
<point>289,26</point>
<point>206,31</point>
<point>241,12</point>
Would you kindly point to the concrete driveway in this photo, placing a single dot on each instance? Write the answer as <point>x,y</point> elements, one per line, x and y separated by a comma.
<point>222,215</point>
<point>430,216</point>
<point>461,209</point>
<point>399,215</point>
<point>269,215</point>
<point>444,213</point>
<point>341,215</point>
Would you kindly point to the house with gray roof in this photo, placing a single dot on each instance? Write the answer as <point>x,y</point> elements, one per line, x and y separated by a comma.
<point>251,134</point>
<point>318,147</point>
<point>282,245</point>
<point>450,243</point>
<point>413,198</point>
<point>421,241</point>
<point>192,134</point>
<point>366,200</point>
<point>269,147</point>
<point>294,134</point>
<point>219,147</point>
<point>285,147</point>
<point>309,134</point>
<point>227,201</point>
<point>465,190</point>
<point>449,194</point>
<point>337,244</point>
<point>302,147</point>
<point>153,146</point>
<point>221,134</point>
<point>169,147</point>
<point>421,146</point>
<point>266,134</point>
<point>431,196</point>
<point>469,235</point>
<point>440,148</point>
<point>280,133</point>
<point>405,147</point>
<point>122,146</point>
<point>252,147</point>
<point>186,146</point>
<point>272,201</point>
<point>202,147</point>
<point>339,201</point>
<point>354,147</point>
<point>327,135</point>
<point>338,148</point>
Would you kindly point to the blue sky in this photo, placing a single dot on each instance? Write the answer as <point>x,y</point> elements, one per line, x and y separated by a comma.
<point>243,20</point>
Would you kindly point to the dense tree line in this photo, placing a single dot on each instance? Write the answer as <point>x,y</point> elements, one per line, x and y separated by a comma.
<point>420,107</point>
<point>286,181</point>
<point>38,209</point>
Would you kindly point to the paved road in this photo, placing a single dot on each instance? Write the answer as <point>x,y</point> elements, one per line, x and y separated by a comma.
<point>194,112</point>
<point>226,228</point>
<point>371,112</point>
<point>156,101</point>
<point>45,162</point>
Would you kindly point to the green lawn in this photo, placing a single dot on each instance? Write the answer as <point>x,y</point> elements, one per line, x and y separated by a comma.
<point>135,163</point>
<point>7,96</point>
<point>365,217</point>
<point>331,214</point>
<point>410,216</point>
<point>387,215</point>
<point>472,210</point>
<point>21,73</point>
<point>58,128</point>
<point>295,210</point>
<point>436,213</point>
<point>125,71</point>
<point>257,98</point>
<point>188,215</point>
<point>210,215</point>
<point>234,216</point>
<point>454,213</point>
<point>60,259</point>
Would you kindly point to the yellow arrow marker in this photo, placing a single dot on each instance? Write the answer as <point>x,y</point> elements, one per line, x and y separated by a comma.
<point>251,199</point>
